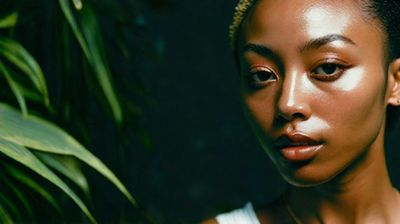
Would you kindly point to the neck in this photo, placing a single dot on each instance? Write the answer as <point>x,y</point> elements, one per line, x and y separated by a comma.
<point>361,193</point>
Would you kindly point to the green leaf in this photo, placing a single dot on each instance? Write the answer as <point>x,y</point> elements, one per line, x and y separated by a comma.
<point>29,94</point>
<point>15,88</point>
<point>41,135</point>
<point>21,58</point>
<point>19,195</point>
<point>29,182</point>
<point>4,216</point>
<point>77,4</point>
<point>27,158</point>
<point>89,39</point>
<point>66,165</point>
<point>9,20</point>
<point>100,65</point>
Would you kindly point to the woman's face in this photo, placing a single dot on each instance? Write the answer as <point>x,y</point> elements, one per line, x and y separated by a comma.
<point>313,84</point>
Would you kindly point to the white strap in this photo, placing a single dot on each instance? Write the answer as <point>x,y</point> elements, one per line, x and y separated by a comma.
<point>245,215</point>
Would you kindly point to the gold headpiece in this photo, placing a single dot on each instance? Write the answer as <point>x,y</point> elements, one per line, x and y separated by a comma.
<point>240,12</point>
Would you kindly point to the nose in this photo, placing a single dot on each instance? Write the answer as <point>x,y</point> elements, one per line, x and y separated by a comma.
<point>294,97</point>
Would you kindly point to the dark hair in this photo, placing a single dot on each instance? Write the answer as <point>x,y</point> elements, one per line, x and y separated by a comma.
<point>387,12</point>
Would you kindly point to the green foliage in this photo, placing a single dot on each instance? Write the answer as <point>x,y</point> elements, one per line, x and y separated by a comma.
<point>33,150</point>
<point>27,158</point>
<point>9,21</point>
<point>38,134</point>
<point>91,45</point>
<point>21,59</point>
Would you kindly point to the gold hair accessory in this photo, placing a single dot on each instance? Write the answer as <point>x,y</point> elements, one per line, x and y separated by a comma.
<point>240,12</point>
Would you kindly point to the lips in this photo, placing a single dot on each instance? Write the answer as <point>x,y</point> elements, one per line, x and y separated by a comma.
<point>297,147</point>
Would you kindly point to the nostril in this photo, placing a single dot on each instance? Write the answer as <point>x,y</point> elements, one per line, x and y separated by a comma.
<point>298,115</point>
<point>288,116</point>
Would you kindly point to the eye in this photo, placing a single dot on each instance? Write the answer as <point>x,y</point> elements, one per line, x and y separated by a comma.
<point>328,71</point>
<point>260,77</point>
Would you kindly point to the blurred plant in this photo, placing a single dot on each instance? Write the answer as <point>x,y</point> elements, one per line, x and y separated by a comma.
<point>34,151</point>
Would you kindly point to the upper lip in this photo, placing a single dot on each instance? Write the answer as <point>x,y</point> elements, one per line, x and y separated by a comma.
<point>293,140</point>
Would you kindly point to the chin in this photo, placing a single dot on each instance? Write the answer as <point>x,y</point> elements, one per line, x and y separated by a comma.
<point>305,176</point>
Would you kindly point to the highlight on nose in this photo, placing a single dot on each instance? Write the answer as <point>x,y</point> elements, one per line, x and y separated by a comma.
<point>293,101</point>
<point>292,112</point>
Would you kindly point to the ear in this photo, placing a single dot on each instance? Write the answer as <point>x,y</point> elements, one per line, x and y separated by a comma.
<point>394,83</point>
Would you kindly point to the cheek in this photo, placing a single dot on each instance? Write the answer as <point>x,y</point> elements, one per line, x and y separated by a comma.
<point>356,107</point>
<point>259,108</point>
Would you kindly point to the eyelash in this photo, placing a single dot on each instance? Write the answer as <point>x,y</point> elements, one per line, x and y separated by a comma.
<point>256,82</point>
<point>339,70</point>
<point>258,78</point>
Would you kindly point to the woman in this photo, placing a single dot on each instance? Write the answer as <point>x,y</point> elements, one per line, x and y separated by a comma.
<point>320,80</point>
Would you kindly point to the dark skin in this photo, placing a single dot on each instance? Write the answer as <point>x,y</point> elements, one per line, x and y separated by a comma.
<point>309,69</point>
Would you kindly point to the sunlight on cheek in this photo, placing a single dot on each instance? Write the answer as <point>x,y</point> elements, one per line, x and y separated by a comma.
<point>351,80</point>
<point>314,125</point>
<point>333,22</point>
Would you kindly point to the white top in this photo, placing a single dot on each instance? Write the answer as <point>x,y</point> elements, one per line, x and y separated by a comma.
<point>245,215</point>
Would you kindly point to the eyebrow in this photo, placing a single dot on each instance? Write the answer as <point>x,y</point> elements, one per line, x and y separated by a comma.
<point>261,50</point>
<point>321,41</point>
<point>310,45</point>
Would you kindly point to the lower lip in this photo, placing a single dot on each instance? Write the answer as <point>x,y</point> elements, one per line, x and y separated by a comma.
<point>300,153</point>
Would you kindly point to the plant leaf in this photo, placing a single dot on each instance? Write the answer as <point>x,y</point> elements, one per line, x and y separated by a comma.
<point>4,216</point>
<point>77,4</point>
<point>19,195</point>
<point>21,58</point>
<point>9,20</point>
<point>66,165</point>
<point>29,182</point>
<point>15,88</point>
<point>27,158</point>
<point>99,64</point>
<point>41,135</point>
<point>89,40</point>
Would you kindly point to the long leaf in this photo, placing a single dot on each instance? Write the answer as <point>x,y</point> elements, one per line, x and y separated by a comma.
<point>77,4</point>
<point>41,135</point>
<point>66,165</point>
<point>88,39</point>
<point>9,20</point>
<point>100,65</point>
<point>27,158</point>
<point>4,216</point>
<point>15,88</point>
<point>21,58</point>
<point>18,194</point>
<point>29,182</point>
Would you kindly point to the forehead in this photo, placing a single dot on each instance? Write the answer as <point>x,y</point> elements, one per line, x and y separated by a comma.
<point>304,19</point>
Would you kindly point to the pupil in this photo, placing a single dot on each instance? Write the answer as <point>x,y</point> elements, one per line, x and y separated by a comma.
<point>329,69</point>
<point>262,76</point>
